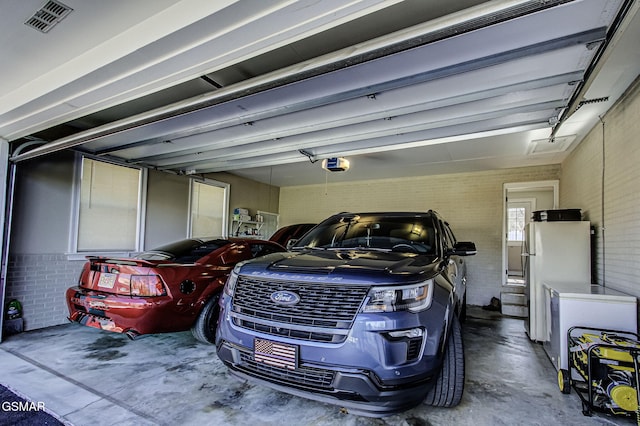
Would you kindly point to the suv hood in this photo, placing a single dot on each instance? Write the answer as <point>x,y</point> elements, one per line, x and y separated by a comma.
<point>352,264</point>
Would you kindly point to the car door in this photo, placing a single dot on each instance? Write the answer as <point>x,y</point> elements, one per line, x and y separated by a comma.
<point>456,267</point>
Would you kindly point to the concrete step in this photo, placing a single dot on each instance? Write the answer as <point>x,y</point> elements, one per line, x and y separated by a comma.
<point>512,299</point>
<point>515,311</point>
<point>513,288</point>
<point>513,302</point>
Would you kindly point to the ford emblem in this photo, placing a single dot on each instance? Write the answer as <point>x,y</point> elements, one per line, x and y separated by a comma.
<point>284,297</point>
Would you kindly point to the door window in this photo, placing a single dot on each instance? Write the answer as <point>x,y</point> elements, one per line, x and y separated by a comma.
<point>516,221</point>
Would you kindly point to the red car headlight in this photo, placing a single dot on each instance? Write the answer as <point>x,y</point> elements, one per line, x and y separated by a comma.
<point>147,285</point>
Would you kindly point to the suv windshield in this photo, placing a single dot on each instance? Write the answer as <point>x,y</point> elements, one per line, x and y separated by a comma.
<point>398,233</point>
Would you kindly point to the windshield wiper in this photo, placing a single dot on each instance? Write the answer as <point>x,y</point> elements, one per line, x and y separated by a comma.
<point>307,248</point>
<point>360,248</point>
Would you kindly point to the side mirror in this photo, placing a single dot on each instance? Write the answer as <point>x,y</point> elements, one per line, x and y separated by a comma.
<point>464,248</point>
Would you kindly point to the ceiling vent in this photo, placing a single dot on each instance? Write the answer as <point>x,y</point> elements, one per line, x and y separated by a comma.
<point>548,146</point>
<point>48,16</point>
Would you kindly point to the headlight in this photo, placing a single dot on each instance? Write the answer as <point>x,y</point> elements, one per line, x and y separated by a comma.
<point>230,286</point>
<point>414,298</point>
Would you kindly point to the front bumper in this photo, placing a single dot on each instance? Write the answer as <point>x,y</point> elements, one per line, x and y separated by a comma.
<point>353,389</point>
<point>367,374</point>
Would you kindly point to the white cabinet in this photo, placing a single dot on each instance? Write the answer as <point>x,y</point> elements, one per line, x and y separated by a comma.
<point>570,305</point>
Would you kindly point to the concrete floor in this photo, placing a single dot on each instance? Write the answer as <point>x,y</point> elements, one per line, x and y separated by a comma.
<point>91,377</point>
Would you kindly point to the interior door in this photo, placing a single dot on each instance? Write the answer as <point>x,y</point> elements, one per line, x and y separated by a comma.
<point>518,216</point>
<point>545,194</point>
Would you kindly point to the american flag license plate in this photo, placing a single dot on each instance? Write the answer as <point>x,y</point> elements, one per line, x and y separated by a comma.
<point>275,354</point>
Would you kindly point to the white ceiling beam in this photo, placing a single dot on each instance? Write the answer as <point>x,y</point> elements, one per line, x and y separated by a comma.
<point>555,25</point>
<point>299,96</point>
<point>393,119</point>
<point>161,22</point>
<point>486,109</point>
<point>456,90</point>
<point>482,123</point>
<point>234,31</point>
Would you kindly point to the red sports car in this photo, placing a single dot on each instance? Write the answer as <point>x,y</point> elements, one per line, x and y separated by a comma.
<point>172,288</point>
<point>291,232</point>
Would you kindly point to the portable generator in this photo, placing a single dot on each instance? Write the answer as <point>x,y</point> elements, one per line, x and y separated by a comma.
<point>607,362</point>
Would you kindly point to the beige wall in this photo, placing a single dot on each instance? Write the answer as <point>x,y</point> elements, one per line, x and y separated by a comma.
<point>471,202</point>
<point>618,245</point>
<point>249,194</point>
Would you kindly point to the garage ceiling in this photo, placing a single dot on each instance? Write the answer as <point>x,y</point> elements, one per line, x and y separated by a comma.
<point>266,90</point>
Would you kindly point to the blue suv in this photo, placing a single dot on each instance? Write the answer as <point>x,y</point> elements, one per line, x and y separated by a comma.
<point>363,312</point>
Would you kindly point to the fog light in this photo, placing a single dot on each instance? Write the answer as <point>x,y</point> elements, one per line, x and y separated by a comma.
<point>412,332</point>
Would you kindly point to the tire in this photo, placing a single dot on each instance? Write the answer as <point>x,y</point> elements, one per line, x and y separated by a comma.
<point>204,329</point>
<point>564,381</point>
<point>449,386</point>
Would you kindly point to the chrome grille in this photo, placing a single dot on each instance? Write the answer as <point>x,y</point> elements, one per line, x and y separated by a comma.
<point>325,312</point>
<point>295,334</point>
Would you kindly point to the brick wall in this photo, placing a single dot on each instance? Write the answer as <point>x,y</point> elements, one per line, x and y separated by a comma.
<point>471,202</point>
<point>618,244</point>
<point>39,282</point>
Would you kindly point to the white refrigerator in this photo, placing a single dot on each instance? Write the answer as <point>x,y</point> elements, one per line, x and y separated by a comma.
<point>558,252</point>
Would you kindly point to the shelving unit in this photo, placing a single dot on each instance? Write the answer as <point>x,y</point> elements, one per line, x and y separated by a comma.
<point>238,231</point>
<point>243,226</point>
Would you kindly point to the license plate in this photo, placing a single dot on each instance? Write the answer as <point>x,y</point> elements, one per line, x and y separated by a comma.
<point>100,323</point>
<point>107,280</point>
<point>275,354</point>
